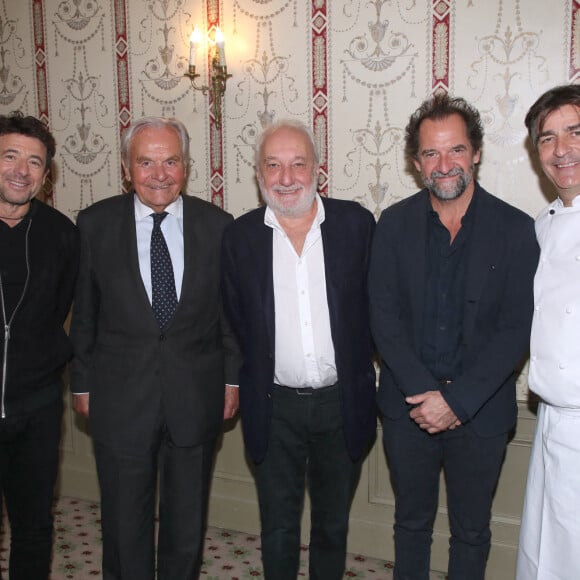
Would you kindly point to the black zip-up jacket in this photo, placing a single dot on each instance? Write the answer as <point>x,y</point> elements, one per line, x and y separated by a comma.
<point>33,343</point>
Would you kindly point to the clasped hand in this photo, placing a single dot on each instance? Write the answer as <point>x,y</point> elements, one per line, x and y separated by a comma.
<point>432,413</point>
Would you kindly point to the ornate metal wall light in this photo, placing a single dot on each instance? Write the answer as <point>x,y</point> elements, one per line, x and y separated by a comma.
<point>218,71</point>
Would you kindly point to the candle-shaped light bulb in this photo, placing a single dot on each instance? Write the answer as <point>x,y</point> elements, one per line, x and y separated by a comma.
<point>193,44</point>
<point>220,43</point>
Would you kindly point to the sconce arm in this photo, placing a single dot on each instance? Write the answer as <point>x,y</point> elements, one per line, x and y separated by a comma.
<point>217,88</point>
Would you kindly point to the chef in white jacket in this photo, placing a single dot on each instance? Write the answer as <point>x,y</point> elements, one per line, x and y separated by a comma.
<point>549,546</point>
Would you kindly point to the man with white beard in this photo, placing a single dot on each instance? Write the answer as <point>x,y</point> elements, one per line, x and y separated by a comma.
<point>294,282</point>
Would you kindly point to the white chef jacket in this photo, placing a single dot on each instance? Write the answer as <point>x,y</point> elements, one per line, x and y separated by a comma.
<point>550,529</point>
<point>555,343</point>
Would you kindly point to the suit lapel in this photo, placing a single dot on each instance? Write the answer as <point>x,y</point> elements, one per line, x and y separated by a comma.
<point>413,259</point>
<point>415,242</point>
<point>190,249</point>
<point>129,230</point>
<point>339,249</point>
<point>262,251</point>
<point>482,255</point>
<point>333,245</point>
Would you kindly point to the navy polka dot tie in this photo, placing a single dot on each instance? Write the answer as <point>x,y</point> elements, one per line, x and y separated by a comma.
<point>164,296</point>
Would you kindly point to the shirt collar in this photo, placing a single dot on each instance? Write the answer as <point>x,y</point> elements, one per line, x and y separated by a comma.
<point>559,203</point>
<point>467,216</point>
<point>271,220</point>
<point>143,211</point>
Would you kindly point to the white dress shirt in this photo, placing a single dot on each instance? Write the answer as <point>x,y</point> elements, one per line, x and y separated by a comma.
<point>172,228</point>
<point>304,352</point>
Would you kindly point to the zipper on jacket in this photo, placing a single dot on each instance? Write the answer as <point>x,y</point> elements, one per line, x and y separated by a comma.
<point>8,323</point>
<point>6,338</point>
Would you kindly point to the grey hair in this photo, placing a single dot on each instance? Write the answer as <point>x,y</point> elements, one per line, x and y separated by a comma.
<point>155,123</point>
<point>284,124</point>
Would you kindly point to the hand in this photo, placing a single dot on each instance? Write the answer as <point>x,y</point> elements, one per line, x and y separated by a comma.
<point>432,413</point>
<point>232,402</point>
<point>81,404</point>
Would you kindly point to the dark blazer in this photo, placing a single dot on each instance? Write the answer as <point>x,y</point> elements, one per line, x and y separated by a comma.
<point>497,312</point>
<point>249,297</point>
<point>135,373</point>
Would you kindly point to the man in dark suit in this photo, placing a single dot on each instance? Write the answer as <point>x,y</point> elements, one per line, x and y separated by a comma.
<point>295,290</point>
<point>152,354</point>
<point>450,287</point>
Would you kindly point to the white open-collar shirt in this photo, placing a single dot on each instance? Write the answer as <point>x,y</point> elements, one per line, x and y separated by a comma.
<point>304,351</point>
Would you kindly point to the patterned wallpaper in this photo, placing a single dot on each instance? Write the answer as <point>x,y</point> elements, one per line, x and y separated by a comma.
<point>353,69</point>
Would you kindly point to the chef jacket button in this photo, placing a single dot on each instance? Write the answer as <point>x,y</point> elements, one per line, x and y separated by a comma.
<point>568,310</point>
<point>561,366</point>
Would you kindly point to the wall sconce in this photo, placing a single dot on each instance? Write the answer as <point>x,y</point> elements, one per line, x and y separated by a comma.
<point>218,73</point>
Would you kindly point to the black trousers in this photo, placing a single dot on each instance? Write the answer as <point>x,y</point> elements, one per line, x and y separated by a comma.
<point>471,466</point>
<point>29,455</point>
<point>306,446</point>
<point>128,484</point>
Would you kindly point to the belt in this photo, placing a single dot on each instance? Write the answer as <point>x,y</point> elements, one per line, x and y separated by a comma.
<point>305,390</point>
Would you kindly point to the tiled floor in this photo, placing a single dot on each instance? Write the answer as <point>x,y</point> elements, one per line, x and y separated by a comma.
<point>228,555</point>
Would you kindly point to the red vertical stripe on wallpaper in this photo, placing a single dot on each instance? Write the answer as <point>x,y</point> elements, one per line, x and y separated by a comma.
<point>574,72</point>
<point>319,48</point>
<point>122,65</point>
<point>40,60</point>
<point>215,129</point>
<point>440,43</point>
<point>41,74</point>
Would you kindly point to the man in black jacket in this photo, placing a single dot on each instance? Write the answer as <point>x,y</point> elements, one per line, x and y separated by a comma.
<point>294,282</point>
<point>450,284</point>
<point>38,266</point>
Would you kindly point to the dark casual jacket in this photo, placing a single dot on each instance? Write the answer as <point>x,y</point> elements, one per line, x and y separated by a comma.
<point>248,287</point>
<point>38,347</point>
<point>497,310</point>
